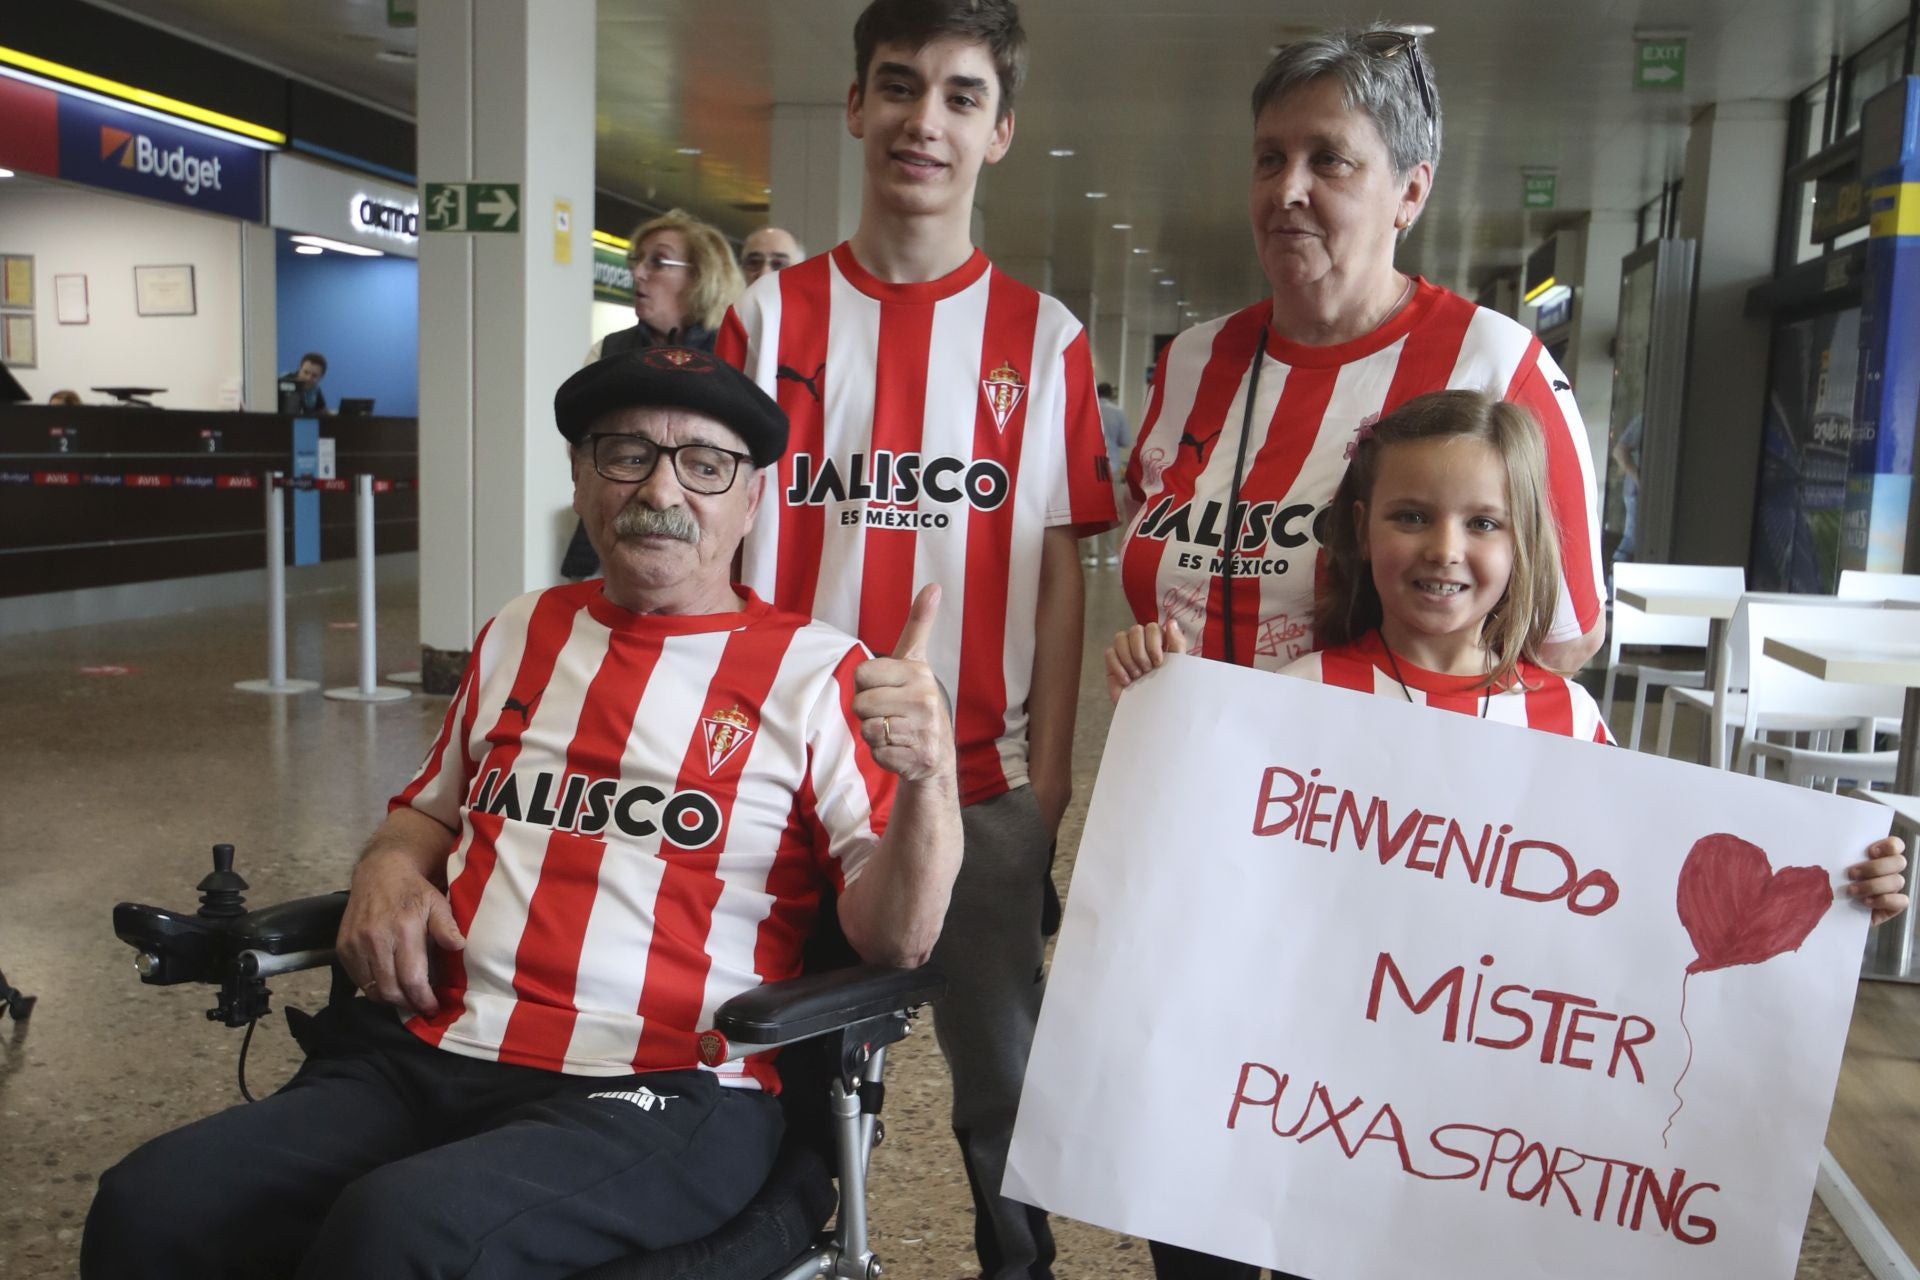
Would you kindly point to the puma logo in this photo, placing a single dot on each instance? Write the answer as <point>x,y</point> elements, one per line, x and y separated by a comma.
<point>1198,443</point>
<point>524,708</point>
<point>787,373</point>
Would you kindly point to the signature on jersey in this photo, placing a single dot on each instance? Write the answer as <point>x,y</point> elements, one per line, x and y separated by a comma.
<point>1277,636</point>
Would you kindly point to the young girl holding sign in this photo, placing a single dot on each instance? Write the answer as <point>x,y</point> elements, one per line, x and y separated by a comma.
<point>1441,572</point>
<point>1442,568</point>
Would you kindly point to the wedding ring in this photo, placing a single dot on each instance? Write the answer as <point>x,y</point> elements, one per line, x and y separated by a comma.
<point>886,727</point>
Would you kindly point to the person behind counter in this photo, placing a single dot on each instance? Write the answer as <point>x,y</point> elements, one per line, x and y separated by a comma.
<point>64,397</point>
<point>300,390</point>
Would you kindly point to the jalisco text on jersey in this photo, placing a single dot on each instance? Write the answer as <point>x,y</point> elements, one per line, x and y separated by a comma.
<point>897,478</point>
<point>689,819</point>
<point>1287,527</point>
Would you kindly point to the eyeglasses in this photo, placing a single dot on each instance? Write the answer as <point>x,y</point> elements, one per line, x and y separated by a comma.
<point>700,468</point>
<point>1391,44</point>
<point>654,262</point>
<point>757,261</point>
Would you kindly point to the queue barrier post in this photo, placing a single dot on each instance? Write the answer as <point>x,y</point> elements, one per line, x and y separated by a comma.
<point>369,689</point>
<point>276,681</point>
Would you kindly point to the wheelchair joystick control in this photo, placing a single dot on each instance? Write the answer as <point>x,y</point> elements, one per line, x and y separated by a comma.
<point>222,891</point>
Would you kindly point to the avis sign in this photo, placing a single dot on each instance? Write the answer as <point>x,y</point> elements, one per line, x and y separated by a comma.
<point>471,206</point>
<point>1346,982</point>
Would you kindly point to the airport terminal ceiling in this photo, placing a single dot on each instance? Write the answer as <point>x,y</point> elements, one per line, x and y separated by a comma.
<point>1150,96</point>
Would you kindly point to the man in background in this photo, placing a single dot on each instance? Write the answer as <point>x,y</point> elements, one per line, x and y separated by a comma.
<point>304,395</point>
<point>768,249</point>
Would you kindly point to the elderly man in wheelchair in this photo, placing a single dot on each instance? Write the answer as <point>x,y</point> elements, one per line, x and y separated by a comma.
<point>578,934</point>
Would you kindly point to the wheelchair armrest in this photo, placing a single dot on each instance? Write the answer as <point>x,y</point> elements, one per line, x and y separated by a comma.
<point>816,1003</point>
<point>304,924</point>
<point>178,946</point>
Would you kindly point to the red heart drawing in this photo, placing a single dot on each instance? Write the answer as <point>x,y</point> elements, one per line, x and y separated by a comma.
<point>1739,910</point>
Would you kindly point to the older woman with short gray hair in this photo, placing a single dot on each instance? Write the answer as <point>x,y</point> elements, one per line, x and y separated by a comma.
<point>1253,415</point>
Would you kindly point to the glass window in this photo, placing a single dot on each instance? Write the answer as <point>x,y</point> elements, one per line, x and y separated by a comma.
<point>1810,112</point>
<point>1871,70</point>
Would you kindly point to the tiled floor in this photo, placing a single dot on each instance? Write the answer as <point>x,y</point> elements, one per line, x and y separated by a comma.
<point>116,785</point>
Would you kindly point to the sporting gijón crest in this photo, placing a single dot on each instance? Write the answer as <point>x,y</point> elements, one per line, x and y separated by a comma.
<point>1003,388</point>
<point>727,731</point>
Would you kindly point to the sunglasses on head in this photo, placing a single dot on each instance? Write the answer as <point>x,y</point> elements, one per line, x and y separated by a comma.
<point>1388,45</point>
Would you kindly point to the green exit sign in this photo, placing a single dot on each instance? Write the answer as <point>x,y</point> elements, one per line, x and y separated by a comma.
<point>1537,190</point>
<point>1660,64</point>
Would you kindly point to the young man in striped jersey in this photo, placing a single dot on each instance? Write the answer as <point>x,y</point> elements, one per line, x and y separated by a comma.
<point>945,430</point>
<point>634,803</point>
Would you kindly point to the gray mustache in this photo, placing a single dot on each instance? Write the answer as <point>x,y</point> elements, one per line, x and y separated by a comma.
<point>640,521</point>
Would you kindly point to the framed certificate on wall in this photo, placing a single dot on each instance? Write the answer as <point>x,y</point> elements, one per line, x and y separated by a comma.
<point>163,291</point>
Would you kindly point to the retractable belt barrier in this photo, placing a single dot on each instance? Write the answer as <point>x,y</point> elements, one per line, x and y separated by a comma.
<point>364,487</point>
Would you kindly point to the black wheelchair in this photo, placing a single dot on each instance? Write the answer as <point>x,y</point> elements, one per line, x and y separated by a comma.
<point>833,1025</point>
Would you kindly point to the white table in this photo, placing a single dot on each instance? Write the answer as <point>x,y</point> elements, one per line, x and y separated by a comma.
<point>1717,607</point>
<point>1876,662</point>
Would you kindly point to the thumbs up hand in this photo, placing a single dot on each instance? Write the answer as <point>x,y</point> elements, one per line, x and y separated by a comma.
<point>903,714</point>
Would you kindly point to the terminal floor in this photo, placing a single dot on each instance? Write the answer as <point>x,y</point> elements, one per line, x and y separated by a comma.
<point>117,784</point>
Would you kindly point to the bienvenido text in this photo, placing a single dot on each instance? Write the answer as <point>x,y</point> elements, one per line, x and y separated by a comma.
<point>1320,814</point>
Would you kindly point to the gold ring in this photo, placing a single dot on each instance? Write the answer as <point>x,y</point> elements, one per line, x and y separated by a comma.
<point>886,727</point>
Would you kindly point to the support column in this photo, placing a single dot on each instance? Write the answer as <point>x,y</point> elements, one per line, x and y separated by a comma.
<point>1108,334</point>
<point>506,95</point>
<point>260,374</point>
<point>1730,205</point>
<point>816,174</point>
<point>1608,238</point>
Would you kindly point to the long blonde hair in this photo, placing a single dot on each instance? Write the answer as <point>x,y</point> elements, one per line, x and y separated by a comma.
<point>1347,606</point>
<point>717,281</point>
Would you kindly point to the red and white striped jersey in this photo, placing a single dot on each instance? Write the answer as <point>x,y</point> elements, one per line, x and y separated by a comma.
<point>1311,401</point>
<point>648,807</point>
<point>1537,699</point>
<point>937,430</point>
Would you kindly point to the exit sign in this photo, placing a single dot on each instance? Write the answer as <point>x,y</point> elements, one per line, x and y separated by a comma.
<point>1660,64</point>
<point>1537,190</point>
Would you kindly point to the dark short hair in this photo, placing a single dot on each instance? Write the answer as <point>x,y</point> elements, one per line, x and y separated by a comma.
<point>316,357</point>
<point>918,23</point>
<point>1104,391</point>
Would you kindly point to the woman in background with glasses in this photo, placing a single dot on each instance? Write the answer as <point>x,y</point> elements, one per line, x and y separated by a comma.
<point>1255,413</point>
<point>684,279</point>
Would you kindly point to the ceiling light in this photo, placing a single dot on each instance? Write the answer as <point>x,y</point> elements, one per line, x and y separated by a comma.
<point>404,56</point>
<point>308,248</point>
<point>1061,152</point>
<point>610,240</point>
<point>688,151</point>
<point>1123,226</point>
<point>6,173</point>
<point>1166,280</point>
<point>338,246</point>
<point>1143,251</point>
<point>1096,195</point>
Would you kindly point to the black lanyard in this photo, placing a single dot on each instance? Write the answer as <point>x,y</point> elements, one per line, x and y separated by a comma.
<point>1233,497</point>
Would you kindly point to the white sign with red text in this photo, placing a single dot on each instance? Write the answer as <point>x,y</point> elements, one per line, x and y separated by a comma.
<point>1360,990</point>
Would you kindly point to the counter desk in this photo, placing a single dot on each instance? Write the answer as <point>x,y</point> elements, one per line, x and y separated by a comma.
<point>106,496</point>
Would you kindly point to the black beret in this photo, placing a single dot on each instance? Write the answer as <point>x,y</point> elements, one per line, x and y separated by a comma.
<point>673,378</point>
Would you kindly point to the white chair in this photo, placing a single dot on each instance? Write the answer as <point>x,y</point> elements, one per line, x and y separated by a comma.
<point>1858,584</point>
<point>1633,627</point>
<point>1777,692</point>
<point>1727,713</point>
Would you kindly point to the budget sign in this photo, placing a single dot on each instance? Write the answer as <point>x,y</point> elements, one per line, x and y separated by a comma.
<point>1346,983</point>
